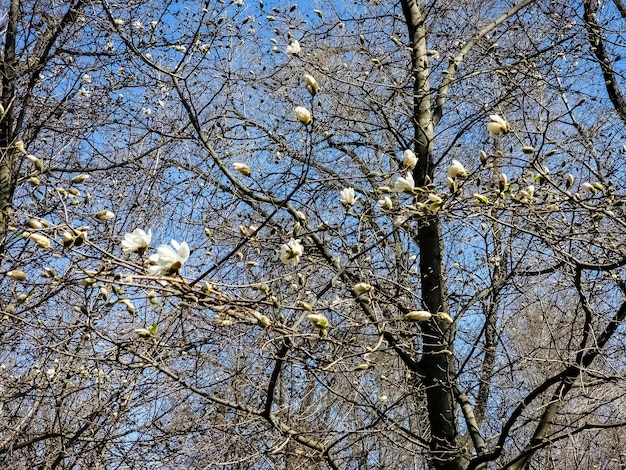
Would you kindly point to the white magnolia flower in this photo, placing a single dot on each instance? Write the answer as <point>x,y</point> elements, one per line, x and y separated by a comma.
<point>409,159</point>
<point>80,178</point>
<point>138,25</point>
<point>293,47</point>
<point>40,240</point>
<point>137,240</point>
<point>498,124</point>
<point>105,215</point>
<point>291,252</point>
<point>418,315</point>
<point>17,275</point>
<point>242,168</point>
<point>303,115</point>
<point>385,203</point>
<point>347,196</point>
<point>168,260</point>
<point>456,170</point>
<point>86,79</point>
<point>588,187</point>
<point>503,181</point>
<point>311,84</point>
<point>406,184</point>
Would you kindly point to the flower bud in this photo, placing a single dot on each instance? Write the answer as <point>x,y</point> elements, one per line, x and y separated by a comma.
<point>80,179</point>
<point>105,215</point>
<point>242,168</point>
<point>303,115</point>
<point>418,315</point>
<point>17,275</point>
<point>311,84</point>
<point>40,240</point>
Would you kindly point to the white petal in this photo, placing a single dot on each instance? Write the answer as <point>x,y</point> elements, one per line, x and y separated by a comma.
<point>183,252</point>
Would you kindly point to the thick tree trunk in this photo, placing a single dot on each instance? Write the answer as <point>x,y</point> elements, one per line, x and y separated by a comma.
<point>437,364</point>
<point>8,154</point>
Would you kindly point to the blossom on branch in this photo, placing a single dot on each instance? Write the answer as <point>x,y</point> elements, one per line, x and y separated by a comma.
<point>311,84</point>
<point>303,115</point>
<point>291,252</point>
<point>242,168</point>
<point>168,260</point>
<point>293,47</point>
<point>405,185</point>
<point>457,170</point>
<point>498,124</point>
<point>347,196</point>
<point>409,159</point>
<point>137,240</point>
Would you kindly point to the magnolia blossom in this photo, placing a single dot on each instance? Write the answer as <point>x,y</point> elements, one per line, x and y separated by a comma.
<point>347,196</point>
<point>409,159</point>
<point>303,115</point>
<point>435,203</point>
<point>498,124</point>
<point>311,84</point>
<point>168,260</point>
<point>385,203</point>
<point>242,168</point>
<point>40,240</point>
<point>445,317</point>
<point>452,186</point>
<point>137,240</point>
<point>418,315</point>
<point>291,252</point>
<point>80,178</point>
<point>293,47</point>
<point>588,187</point>
<point>528,193</point>
<point>362,288</point>
<point>503,181</point>
<point>34,224</point>
<point>457,170</point>
<point>406,184</point>
<point>105,215</point>
<point>17,275</point>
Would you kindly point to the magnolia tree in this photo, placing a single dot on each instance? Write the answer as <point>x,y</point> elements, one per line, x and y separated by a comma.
<point>281,235</point>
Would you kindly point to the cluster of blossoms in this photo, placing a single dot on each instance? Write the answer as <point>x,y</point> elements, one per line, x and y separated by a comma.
<point>167,259</point>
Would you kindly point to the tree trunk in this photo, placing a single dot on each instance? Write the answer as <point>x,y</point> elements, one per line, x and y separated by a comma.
<point>8,154</point>
<point>437,364</point>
